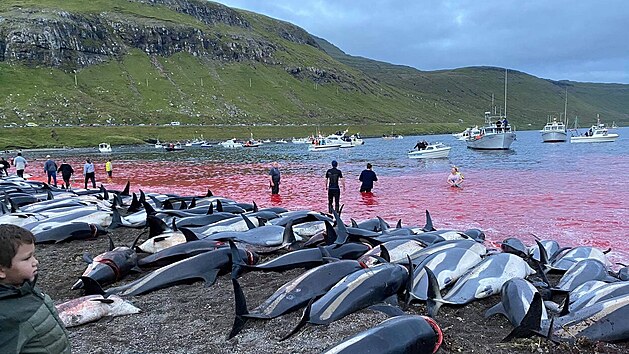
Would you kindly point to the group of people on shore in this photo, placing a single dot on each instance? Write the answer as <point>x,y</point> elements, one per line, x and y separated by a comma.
<point>51,170</point>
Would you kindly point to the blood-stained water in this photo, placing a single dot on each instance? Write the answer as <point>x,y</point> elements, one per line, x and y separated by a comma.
<point>574,193</point>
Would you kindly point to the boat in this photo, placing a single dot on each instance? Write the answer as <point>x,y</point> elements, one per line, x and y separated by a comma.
<point>206,145</point>
<point>300,141</point>
<point>266,140</point>
<point>345,141</point>
<point>231,144</point>
<point>281,141</point>
<point>431,151</point>
<point>195,143</point>
<point>392,136</point>
<point>556,131</point>
<point>596,134</point>
<point>252,144</point>
<point>464,135</point>
<point>496,134</point>
<point>173,147</point>
<point>158,145</point>
<point>323,145</point>
<point>104,147</point>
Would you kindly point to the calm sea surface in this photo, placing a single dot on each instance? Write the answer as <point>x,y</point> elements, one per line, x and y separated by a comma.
<point>574,193</point>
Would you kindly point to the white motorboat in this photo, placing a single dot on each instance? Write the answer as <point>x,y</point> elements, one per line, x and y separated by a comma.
<point>432,151</point>
<point>195,143</point>
<point>252,144</point>
<point>464,135</point>
<point>344,140</point>
<point>281,141</point>
<point>173,147</point>
<point>497,133</point>
<point>158,145</point>
<point>554,132</point>
<point>392,136</point>
<point>300,141</point>
<point>231,144</point>
<point>323,145</point>
<point>104,147</point>
<point>206,145</point>
<point>596,134</point>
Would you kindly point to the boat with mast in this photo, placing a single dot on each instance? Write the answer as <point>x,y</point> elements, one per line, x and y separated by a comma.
<point>596,134</point>
<point>556,131</point>
<point>497,133</point>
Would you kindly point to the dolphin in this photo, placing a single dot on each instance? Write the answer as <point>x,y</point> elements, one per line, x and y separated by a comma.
<point>68,232</point>
<point>178,252</point>
<point>516,298</point>
<point>356,291</point>
<point>398,251</point>
<point>577,254</point>
<point>580,272</point>
<point>205,266</point>
<point>111,266</point>
<point>515,246</point>
<point>481,281</point>
<point>400,334</point>
<point>293,295</point>
<point>601,293</point>
<point>93,307</point>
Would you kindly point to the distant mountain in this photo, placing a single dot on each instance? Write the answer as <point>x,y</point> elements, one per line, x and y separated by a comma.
<point>140,61</point>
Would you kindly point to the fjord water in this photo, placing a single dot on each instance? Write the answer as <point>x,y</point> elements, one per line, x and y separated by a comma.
<point>574,193</point>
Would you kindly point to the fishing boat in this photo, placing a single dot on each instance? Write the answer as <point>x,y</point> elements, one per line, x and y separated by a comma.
<point>345,141</point>
<point>431,151</point>
<point>596,134</point>
<point>231,144</point>
<point>173,147</point>
<point>464,135</point>
<point>556,131</point>
<point>496,134</point>
<point>104,147</point>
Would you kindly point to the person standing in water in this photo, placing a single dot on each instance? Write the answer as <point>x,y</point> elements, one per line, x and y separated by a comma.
<point>274,178</point>
<point>66,173</point>
<point>333,182</point>
<point>367,177</point>
<point>50,167</point>
<point>88,172</point>
<point>109,168</point>
<point>20,164</point>
<point>455,179</point>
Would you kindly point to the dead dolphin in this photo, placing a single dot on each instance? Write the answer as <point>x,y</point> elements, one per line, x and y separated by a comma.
<point>516,297</point>
<point>93,307</point>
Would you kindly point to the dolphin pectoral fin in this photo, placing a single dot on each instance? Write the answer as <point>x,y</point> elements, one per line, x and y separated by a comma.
<point>389,310</point>
<point>566,306</point>
<point>210,277</point>
<point>103,300</point>
<point>302,322</point>
<point>77,285</point>
<point>240,309</point>
<point>495,310</point>
<point>531,322</point>
<point>87,258</point>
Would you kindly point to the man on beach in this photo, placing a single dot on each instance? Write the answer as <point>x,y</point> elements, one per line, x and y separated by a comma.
<point>20,164</point>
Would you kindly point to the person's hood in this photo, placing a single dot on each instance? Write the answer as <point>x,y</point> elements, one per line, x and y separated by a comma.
<point>9,291</point>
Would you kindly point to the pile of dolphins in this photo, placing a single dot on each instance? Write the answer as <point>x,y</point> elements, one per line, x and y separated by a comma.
<point>348,268</point>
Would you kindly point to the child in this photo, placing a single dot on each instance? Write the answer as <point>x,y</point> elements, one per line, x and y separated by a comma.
<point>29,322</point>
<point>455,179</point>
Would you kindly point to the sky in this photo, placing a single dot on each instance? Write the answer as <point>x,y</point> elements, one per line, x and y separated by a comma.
<point>577,40</point>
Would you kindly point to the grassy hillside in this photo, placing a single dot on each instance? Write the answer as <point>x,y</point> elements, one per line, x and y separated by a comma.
<point>296,84</point>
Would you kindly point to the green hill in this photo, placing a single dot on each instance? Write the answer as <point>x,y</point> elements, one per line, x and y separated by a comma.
<point>135,61</point>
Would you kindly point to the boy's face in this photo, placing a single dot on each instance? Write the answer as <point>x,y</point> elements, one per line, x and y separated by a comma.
<point>23,266</point>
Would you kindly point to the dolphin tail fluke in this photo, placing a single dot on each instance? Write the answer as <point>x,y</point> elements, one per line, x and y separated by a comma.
<point>91,286</point>
<point>530,323</point>
<point>434,300</point>
<point>240,309</point>
<point>302,322</point>
<point>210,277</point>
<point>428,227</point>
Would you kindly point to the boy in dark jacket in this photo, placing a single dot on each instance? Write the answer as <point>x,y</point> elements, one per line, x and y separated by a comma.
<point>29,322</point>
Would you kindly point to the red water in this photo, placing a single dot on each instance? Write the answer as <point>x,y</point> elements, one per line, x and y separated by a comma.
<point>534,203</point>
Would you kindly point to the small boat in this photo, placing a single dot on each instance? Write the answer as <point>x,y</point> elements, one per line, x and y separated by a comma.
<point>158,145</point>
<point>300,141</point>
<point>252,144</point>
<point>266,140</point>
<point>392,136</point>
<point>464,135</point>
<point>554,132</point>
<point>231,144</point>
<point>104,147</point>
<point>281,141</point>
<point>596,134</point>
<point>173,147</point>
<point>432,151</point>
<point>344,140</point>
<point>206,145</point>
<point>323,145</point>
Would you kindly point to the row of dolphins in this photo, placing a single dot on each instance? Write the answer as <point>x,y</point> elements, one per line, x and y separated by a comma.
<point>367,264</point>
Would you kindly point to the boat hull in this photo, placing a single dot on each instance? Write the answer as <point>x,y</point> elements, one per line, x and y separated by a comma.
<point>438,154</point>
<point>329,147</point>
<point>554,137</point>
<point>594,139</point>
<point>499,141</point>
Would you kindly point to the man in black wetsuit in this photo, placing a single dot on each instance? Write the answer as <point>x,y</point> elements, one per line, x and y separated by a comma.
<point>274,178</point>
<point>332,178</point>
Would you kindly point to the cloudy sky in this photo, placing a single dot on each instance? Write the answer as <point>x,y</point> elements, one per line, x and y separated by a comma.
<point>579,40</point>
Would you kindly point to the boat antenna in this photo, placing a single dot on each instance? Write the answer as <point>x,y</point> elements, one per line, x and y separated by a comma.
<point>505,92</point>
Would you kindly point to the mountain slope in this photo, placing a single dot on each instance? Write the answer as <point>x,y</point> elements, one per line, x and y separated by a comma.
<point>141,61</point>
